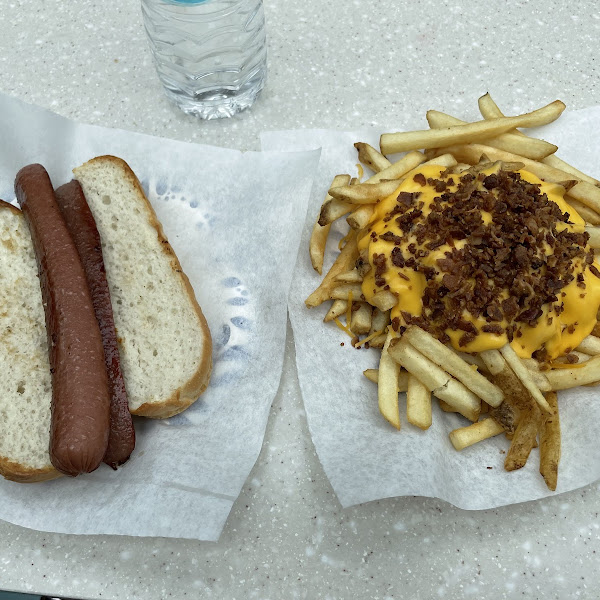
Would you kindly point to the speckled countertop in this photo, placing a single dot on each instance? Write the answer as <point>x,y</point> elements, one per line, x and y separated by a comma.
<point>344,65</point>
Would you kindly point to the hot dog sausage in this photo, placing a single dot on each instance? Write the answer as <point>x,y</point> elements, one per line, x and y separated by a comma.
<point>82,227</point>
<point>80,398</point>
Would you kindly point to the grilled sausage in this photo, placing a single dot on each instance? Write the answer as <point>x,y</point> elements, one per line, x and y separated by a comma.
<point>80,397</point>
<point>82,227</point>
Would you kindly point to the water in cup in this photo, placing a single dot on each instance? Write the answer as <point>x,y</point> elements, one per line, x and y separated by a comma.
<point>210,55</point>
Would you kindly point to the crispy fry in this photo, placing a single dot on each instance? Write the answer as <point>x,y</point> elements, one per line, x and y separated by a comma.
<point>342,291</point>
<point>517,144</point>
<point>371,158</point>
<point>391,143</point>
<point>562,379</point>
<point>361,318</point>
<point>557,163</point>
<point>352,276</point>
<point>380,320</point>
<point>564,360</point>
<point>472,359</point>
<point>387,384</point>
<point>516,397</point>
<point>333,210</point>
<point>318,241</point>
<point>540,380</point>
<point>522,373</point>
<point>318,238</point>
<point>344,262</point>
<point>445,406</point>
<point>590,216</point>
<point>418,404</point>
<point>378,341</point>
<point>594,233</point>
<point>524,439</point>
<point>385,300</point>
<point>338,308</point>
<point>476,432</point>
<point>590,345</point>
<point>365,193</point>
<point>550,443</point>
<point>359,217</point>
<point>435,351</point>
<point>436,380</point>
<point>443,160</point>
<point>373,375</point>
<point>397,170</point>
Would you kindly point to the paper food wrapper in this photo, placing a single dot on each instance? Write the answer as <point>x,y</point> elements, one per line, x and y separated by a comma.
<point>363,456</point>
<point>235,221</point>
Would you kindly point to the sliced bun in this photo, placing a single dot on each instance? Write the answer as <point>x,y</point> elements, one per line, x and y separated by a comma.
<point>25,384</point>
<point>164,341</point>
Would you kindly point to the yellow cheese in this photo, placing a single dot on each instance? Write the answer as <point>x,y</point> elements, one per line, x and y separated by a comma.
<point>580,305</point>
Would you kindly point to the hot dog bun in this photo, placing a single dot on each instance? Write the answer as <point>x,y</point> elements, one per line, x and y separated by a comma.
<point>164,341</point>
<point>25,385</point>
<point>154,310</point>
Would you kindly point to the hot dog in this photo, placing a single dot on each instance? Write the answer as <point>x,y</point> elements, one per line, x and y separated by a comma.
<point>80,395</point>
<point>82,227</point>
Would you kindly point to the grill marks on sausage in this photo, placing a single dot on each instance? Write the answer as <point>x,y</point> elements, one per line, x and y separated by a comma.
<point>506,255</point>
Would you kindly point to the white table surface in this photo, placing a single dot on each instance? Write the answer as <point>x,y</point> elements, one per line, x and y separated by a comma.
<point>338,64</point>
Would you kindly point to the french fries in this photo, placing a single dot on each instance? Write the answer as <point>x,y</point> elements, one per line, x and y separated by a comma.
<point>516,395</point>
<point>344,262</point>
<point>435,379</point>
<point>388,378</point>
<point>550,443</point>
<point>318,238</point>
<point>476,432</point>
<point>454,365</point>
<point>418,404</point>
<point>510,142</point>
<point>371,158</point>
<point>471,132</point>
<point>365,193</point>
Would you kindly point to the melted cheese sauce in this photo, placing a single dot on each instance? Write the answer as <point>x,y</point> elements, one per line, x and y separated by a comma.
<point>580,305</point>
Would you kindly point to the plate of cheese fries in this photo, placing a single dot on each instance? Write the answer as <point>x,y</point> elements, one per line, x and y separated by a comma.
<point>469,262</point>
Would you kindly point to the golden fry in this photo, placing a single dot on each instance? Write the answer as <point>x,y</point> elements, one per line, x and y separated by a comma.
<point>511,142</point>
<point>361,318</point>
<point>338,308</point>
<point>476,432</point>
<point>371,158</point>
<point>344,262</point>
<point>550,443</point>
<point>318,238</point>
<point>359,217</point>
<point>418,404</point>
<point>365,193</point>
<point>437,381</point>
<point>442,356</point>
<point>523,441</point>
<point>391,143</point>
<point>387,385</point>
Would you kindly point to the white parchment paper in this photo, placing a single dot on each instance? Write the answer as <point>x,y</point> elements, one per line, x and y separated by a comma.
<point>365,458</point>
<point>235,222</point>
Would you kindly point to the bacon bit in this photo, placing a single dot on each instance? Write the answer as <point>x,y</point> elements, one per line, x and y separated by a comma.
<point>420,179</point>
